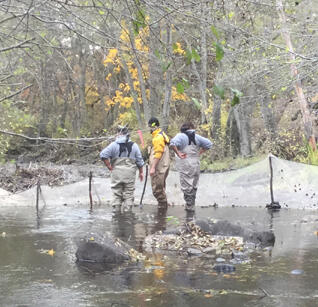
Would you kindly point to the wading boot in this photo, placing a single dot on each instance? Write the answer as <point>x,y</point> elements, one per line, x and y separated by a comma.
<point>189,208</point>
<point>162,205</point>
<point>116,208</point>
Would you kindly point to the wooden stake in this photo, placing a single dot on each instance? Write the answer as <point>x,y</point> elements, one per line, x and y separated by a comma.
<point>38,188</point>
<point>90,190</point>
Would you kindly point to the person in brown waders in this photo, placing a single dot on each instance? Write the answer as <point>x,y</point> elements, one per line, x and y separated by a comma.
<point>159,162</point>
<point>188,146</point>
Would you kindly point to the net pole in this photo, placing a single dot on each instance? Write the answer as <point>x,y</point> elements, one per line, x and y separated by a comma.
<point>271,179</point>
<point>90,190</point>
<point>37,198</point>
<point>274,204</point>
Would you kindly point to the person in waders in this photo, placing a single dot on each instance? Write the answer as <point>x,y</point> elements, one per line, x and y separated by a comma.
<point>123,157</point>
<point>159,162</point>
<point>188,146</point>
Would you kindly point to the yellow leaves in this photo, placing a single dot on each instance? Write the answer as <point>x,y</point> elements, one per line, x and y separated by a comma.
<point>91,239</point>
<point>177,96</point>
<point>51,252</point>
<point>178,49</point>
<point>112,54</point>
<point>140,45</point>
<point>124,87</point>
<point>134,73</point>
<point>109,102</point>
<point>125,102</point>
<point>108,77</point>
<point>92,95</point>
<point>136,85</point>
<point>117,69</point>
<point>206,127</point>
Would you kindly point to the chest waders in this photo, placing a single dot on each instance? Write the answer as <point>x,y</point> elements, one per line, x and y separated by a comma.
<point>189,171</point>
<point>123,179</point>
<point>158,180</point>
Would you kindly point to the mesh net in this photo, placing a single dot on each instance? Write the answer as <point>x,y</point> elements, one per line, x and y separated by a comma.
<point>295,185</point>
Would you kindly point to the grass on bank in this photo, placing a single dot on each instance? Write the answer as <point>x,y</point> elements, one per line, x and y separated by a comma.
<point>229,163</point>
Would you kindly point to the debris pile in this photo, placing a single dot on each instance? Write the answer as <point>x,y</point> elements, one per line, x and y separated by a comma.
<point>25,178</point>
<point>192,240</point>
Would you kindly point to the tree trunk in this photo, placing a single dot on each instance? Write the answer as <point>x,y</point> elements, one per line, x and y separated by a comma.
<point>308,122</point>
<point>132,91</point>
<point>204,61</point>
<point>216,119</point>
<point>232,136</point>
<point>44,100</point>
<point>168,82</point>
<point>145,102</point>
<point>241,116</point>
<point>155,71</point>
<point>269,119</point>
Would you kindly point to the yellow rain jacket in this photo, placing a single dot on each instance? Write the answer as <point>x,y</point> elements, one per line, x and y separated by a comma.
<point>159,141</point>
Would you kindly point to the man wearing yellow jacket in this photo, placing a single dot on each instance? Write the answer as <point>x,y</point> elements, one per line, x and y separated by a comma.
<point>159,161</point>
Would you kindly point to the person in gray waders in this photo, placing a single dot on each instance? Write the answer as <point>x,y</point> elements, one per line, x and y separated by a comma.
<point>123,157</point>
<point>188,146</point>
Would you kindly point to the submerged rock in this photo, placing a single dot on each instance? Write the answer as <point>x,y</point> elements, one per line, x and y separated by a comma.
<point>297,272</point>
<point>106,250</point>
<point>224,268</point>
<point>225,228</point>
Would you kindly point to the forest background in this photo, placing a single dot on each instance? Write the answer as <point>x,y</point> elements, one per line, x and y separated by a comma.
<point>244,71</point>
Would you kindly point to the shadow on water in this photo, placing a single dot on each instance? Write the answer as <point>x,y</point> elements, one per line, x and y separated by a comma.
<point>38,268</point>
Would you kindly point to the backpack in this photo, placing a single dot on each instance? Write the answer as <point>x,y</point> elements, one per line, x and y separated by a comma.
<point>165,137</point>
<point>127,146</point>
<point>191,137</point>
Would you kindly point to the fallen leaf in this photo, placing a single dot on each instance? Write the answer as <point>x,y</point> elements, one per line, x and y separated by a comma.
<point>51,252</point>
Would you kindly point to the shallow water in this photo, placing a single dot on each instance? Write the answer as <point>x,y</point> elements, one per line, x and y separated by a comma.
<point>29,276</point>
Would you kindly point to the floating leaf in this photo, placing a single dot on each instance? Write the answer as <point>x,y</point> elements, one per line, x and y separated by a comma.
<point>51,252</point>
